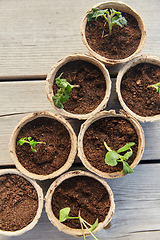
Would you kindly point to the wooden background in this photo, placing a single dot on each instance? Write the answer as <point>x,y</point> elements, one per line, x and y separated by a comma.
<point>33,36</point>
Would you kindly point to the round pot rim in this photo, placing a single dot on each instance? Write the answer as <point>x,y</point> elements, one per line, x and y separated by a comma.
<point>140,59</point>
<point>124,6</point>
<point>71,57</point>
<point>40,203</point>
<point>61,226</point>
<point>104,114</point>
<point>72,153</point>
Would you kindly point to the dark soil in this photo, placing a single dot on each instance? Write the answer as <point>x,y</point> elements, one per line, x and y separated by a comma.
<point>119,44</point>
<point>91,90</point>
<point>50,156</point>
<point>137,96</point>
<point>81,193</point>
<point>18,202</point>
<point>116,132</point>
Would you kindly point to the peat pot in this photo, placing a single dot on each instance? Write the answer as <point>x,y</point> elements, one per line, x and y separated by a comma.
<point>92,81</point>
<point>82,191</point>
<point>122,43</point>
<point>134,90</point>
<point>21,202</point>
<point>116,129</point>
<point>56,148</point>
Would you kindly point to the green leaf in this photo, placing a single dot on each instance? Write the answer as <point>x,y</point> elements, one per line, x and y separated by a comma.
<point>120,21</point>
<point>111,16</point>
<point>64,98</point>
<point>33,143</point>
<point>125,147</point>
<point>32,148</point>
<point>156,86</point>
<point>62,83</point>
<point>22,141</point>
<point>114,12</point>
<point>94,225</point>
<point>63,214</point>
<point>59,76</point>
<point>68,88</point>
<point>114,19</point>
<point>126,168</point>
<point>30,141</point>
<point>62,95</point>
<point>123,21</point>
<point>127,155</point>
<point>95,14</point>
<point>57,101</point>
<point>111,158</point>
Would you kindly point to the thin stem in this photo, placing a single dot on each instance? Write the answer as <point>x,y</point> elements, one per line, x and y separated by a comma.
<point>120,160</point>
<point>41,142</point>
<point>72,217</point>
<point>87,228</point>
<point>81,225</point>
<point>76,86</point>
<point>103,30</point>
<point>109,23</point>
<point>106,146</point>
<point>86,222</point>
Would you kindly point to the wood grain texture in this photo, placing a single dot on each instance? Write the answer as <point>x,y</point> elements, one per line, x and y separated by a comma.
<point>20,98</point>
<point>36,34</point>
<point>137,212</point>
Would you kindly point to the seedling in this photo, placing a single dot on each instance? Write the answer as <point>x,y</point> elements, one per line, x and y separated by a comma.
<point>64,214</point>
<point>113,157</point>
<point>30,141</point>
<point>111,16</point>
<point>62,95</point>
<point>156,86</point>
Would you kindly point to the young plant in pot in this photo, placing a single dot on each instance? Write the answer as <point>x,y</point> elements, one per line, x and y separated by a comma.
<point>137,86</point>
<point>43,145</point>
<point>78,86</point>
<point>21,203</point>
<point>79,203</point>
<point>110,144</point>
<point>113,32</point>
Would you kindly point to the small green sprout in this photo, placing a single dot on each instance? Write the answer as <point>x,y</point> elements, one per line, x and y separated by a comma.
<point>30,141</point>
<point>113,157</point>
<point>64,214</point>
<point>111,16</point>
<point>156,86</point>
<point>62,95</point>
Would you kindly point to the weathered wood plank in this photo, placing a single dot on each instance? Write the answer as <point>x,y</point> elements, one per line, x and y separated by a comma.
<point>137,212</point>
<point>36,34</point>
<point>20,98</point>
<point>23,97</point>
